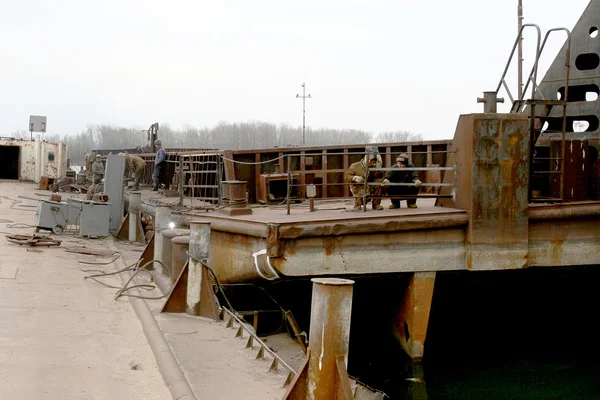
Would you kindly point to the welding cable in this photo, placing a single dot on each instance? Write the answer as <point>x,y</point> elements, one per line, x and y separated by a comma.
<point>100,262</point>
<point>19,225</point>
<point>122,290</point>
<point>204,263</point>
<point>103,274</point>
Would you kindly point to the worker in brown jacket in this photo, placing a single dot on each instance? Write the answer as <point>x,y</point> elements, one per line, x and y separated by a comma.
<point>356,177</point>
<point>135,166</point>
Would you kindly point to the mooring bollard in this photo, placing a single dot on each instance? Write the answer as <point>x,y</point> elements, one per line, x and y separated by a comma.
<point>135,201</point>
<point>166,253</point>
<point>199,249</point>
<point>324,376</point>
<point>330,314</point>
<point>179,256</point>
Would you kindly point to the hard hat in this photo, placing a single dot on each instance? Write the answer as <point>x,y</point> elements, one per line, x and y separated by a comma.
<point>372,151</point>
<point>157,142</point>
<point>402,158</point>
<point>98,156</point>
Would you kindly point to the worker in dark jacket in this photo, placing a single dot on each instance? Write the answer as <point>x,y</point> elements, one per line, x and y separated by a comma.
<point>159,162</point>
<point>400,175</point>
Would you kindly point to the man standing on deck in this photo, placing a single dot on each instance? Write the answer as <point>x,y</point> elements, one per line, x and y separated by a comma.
<point>159,161</point>
<point>400,175</point>
<point>356,178</point>
<point>98,175</point>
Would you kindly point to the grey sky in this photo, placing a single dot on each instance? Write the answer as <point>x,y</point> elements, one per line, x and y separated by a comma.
<point>371,65</point>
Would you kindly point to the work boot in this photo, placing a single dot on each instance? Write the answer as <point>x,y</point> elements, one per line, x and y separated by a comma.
<point>377,207</point>
<point>412,206</point>
<point>394,206</point>
<point>356,207</point>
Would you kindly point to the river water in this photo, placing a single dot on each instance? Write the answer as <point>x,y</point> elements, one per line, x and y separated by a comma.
<point>528,334</point>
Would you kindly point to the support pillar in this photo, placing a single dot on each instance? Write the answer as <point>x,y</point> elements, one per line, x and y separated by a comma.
<point>412,319</point>
<point>135,200</point>
<point>324,376</point>
<point>199,249</point>
<point>162,218</point>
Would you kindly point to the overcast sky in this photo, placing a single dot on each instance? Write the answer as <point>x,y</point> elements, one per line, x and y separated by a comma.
<point>370,65</point>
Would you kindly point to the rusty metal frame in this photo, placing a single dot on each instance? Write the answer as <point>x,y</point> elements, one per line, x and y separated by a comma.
<point>243,327</point>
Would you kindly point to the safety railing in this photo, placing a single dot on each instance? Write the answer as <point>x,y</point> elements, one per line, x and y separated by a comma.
<point>297,191</point>
<point>198,178</point>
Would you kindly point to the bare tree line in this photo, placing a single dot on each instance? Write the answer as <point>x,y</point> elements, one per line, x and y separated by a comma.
<point>225,135</point>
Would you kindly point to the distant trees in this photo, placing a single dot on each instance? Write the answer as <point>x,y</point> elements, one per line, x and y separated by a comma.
<point>224,135</point>
<point>397,136</point>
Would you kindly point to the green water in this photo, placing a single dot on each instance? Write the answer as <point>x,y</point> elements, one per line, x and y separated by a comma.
<point>526,380</point>
<point>527,334</point>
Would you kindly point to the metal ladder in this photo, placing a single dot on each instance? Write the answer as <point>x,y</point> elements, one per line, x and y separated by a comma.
<point>536,120</point>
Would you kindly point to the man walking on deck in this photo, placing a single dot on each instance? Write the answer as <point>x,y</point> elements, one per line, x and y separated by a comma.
<point>159,162</point>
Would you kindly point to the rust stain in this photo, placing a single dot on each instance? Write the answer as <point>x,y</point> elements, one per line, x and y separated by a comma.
<point>557,250</point>
<point>329,246</point>
<point>290,247</point>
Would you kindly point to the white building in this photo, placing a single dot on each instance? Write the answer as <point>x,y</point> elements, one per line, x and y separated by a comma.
<point>26,160</point>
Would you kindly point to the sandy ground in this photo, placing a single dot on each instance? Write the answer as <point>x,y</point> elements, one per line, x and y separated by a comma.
<point>64,337</point>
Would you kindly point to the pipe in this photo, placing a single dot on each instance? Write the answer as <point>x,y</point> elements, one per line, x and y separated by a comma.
<point>265,265</point>
<point>135,199</point>
<point>330,314</point>
<point>167,364</point>
<point>37,162</point>
<point>199,249</point>
<point>144,207</point>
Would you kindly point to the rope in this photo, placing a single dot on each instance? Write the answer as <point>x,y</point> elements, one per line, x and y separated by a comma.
<point>254,163</point>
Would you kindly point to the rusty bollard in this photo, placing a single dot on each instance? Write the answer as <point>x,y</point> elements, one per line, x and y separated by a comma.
<point>179,256</point>
<point>324,376</point>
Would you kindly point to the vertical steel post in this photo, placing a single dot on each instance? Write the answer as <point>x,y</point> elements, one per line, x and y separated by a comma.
<point>162,218</point>
<point>199,249</point>
<point>218,180</point>
<point>289,183</point>
<point>330,314</point>
<point>520,49</point>
<point>181,179</point>
<point>135,201</point>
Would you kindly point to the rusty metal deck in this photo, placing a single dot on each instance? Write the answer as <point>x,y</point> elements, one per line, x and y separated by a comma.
<point>270,244</point>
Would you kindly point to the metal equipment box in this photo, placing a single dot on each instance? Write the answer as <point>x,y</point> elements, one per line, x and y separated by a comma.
<point>94,219</point>
<point>74,211</point>
<point>273,188</point>
<point>52,216</point>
